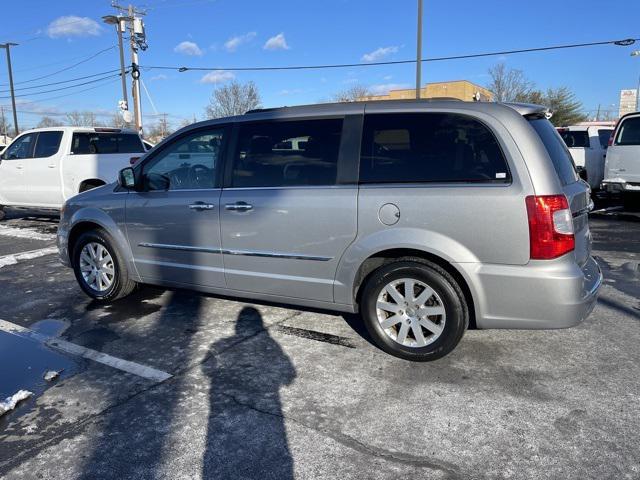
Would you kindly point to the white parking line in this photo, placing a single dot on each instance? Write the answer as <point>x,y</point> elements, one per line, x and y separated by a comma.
<point>80,351</point>
<point>28,233</point>
<point>14,258</point>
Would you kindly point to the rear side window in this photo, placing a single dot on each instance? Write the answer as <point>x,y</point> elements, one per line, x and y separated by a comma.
<point>604,135</point>
<point>86,143</point>
<point>296,153</point>
<point>629,132</point>
<point>430,147</point>
<point>557,150</point>
<point>575,138</point>
<point>48,144</point>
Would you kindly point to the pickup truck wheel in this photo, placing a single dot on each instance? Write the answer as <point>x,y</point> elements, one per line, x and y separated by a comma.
<point>414,309</point>
<point>99,268</point>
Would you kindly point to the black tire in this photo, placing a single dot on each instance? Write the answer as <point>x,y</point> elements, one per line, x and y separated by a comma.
<point>442,283</point>
<point>121,286</point>
<point>631,201</point>
<point>2,213</point>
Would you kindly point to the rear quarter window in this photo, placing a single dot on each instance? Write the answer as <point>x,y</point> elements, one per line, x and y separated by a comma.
<point>575,138</point>
<point>629,132</point>
<point>557,150</point>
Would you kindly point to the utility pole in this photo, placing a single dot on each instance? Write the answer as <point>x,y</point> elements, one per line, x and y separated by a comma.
<point>119,23</point>
<point>137,41</point>
<point>419,51</point>
<point>7,47</point>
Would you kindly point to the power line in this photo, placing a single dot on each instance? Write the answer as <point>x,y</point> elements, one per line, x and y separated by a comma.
<point>65,88</point>
<point>623,42</point>
<point>91,57</point>
<point>76,92</point>
<point>64,81</point>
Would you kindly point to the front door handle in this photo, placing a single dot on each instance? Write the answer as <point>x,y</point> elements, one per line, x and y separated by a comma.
<point>239,207</point>
<point>202,206</point>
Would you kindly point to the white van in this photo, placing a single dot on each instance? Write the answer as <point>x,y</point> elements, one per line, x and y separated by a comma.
<point>622,168</point>
<point>44,167</point>
<point>588,148</point>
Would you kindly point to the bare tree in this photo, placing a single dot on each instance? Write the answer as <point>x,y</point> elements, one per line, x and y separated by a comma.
<point>5,126</point>
<point>117,121</point>
<point>352,94</point>
<point>159,130</point>
<point>49,122</point>
<point>83,119</point>
<point>233,99</point>
<point>508,84</point>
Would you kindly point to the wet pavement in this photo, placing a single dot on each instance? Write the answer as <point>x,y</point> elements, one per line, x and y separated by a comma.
<point>263,391</point>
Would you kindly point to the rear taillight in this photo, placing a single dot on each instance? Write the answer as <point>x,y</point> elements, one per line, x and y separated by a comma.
<point>550,226</point>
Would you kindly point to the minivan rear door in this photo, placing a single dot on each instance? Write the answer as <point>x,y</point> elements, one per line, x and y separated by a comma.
<point>576,191</point>
<point>623,157</point>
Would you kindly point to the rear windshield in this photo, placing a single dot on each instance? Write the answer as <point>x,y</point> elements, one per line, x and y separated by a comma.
<point>604,135</point>
<point>575,138</point>
<point>85,143</point>
<point>629,132</point>
<point>560,156</point>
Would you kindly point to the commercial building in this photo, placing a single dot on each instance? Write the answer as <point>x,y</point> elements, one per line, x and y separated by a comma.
<point>460,89</point>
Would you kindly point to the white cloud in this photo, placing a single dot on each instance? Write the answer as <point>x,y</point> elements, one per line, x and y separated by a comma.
<point>384,88</point>
<point>379,54</point>
<point>161,76</point>
<point>387,77</point>
<point>188,48</point>
<point>73,26</point>
<point>233,43</point>
<point>277,43</point>
<point>217,76</point>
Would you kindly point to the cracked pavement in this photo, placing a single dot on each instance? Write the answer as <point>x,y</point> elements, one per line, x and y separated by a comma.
<point>250,397</point>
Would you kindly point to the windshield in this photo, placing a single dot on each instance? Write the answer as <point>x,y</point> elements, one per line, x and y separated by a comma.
<point>557,150</point>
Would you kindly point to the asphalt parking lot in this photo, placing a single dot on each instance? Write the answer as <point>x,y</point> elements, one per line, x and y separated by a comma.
<point>172,384</point>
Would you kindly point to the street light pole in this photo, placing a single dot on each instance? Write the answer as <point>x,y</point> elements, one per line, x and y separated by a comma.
<point>419,51</point>
<point>636,53</point>
<point>7,47</point>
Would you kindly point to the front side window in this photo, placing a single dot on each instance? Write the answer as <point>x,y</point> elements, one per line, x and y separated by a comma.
<point>430,147</point>
<point>48,144</point>
<point>191,162</point>
<point>89,143</point>
<point>295,153</point>
<point>575,138</point>
<point>21,148</point>
<point>629,132</point>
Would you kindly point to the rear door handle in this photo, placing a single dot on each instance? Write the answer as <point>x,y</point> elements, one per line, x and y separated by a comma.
<point>202,206</point>
<point>239,207</point>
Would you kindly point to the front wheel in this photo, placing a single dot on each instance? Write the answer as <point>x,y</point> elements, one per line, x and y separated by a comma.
<point>99,269</point>
<point>414,309</point>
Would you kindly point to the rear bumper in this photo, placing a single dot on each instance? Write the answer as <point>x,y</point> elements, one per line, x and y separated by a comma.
<point>540,295</point>
<point>618,185</point>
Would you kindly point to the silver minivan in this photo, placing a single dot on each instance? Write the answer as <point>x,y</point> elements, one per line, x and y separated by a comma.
<point>426,217</point>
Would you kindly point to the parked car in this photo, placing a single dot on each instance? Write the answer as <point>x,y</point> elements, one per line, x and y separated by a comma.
<point>43,167</point>
<point>423,216</point>
<point>622,167</point>
<point>588,147</point>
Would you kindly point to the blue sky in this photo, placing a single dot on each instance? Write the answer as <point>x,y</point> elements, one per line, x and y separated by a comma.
<point>225,33</point>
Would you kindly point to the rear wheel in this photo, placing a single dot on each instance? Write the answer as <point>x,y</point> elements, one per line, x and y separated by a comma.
<point>631,201</point>
<point>414,309</point>
<point>99,268</point>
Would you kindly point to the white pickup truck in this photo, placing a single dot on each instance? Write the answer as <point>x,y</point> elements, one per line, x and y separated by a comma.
<point>622,168</point>
<point>44,167</point>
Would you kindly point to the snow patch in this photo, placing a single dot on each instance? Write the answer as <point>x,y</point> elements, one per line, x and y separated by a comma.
<point>11,402</point>
<point>16,257</point>
<point>28,233</point>
<point>51,375</point>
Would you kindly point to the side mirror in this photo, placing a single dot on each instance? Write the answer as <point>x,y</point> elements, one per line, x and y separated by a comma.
<point>582,173</point>
<point>127,178</point>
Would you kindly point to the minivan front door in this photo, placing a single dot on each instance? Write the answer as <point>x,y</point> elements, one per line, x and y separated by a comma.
<point>286,217</point>
<point>173,222</point>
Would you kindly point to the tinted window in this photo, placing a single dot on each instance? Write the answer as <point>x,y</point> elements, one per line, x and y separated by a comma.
<point>191,162</point>
<point>275,154</point>
<point>604,136</point>
<point>48,144</point>
<point>629,132</point>
<point>429,147</point>
<point>575,138</point>
<point>21,148</point>
<point>557,150</point>
<point>90,143</point>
